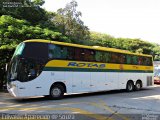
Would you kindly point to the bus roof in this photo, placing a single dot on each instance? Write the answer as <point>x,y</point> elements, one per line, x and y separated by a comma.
<point>88,47</point>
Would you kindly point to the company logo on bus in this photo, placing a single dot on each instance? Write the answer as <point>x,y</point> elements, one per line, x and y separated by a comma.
<point>89,65</point>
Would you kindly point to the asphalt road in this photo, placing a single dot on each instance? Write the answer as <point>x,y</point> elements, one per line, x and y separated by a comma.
<point>113,105</point>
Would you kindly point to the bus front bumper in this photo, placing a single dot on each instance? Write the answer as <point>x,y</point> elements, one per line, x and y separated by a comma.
<point>12,90</point>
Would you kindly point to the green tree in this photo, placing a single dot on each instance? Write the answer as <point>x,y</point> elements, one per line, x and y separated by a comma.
<point>133,45</point>
<point>156,52</point>
<point>14,31</point>
<point>68,22</point>
<point>29,10</point>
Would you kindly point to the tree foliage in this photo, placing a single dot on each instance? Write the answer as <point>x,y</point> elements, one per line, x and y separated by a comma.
<point>68,22</point>
<point>14,31</point>
<point>133,45</point>
<point>28,10</point>
<point>156,51</point>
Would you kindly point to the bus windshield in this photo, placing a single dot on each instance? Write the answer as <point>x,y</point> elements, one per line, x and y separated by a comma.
<point>28,61</point>
<point>19,49</point>
<point>12,71</point>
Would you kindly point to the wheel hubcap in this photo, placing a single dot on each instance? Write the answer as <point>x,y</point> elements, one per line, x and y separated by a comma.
<point>138,86</point>
<point>56,92</point>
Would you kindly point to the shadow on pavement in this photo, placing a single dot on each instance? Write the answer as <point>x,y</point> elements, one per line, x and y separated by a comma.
<point>9,98</point>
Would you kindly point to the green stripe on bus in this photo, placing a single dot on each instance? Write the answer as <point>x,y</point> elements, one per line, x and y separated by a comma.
<point>93,70</point>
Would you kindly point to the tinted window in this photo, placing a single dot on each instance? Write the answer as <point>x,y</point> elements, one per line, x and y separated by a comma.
<point>89,55</point>
<point>128,59</point>
<point>79,54</point>
<point>134,60</point>
<point>30,68</point>
<point>122,58</point>
<point>107,57</point>
<point>114,58</point>
<point>103,57</point>
<point>64,52</point>
<point>36,50</point>
<point>58,52</point>
<point>85,55</point>
<point>71,53</point>
<point>82,54</point>
<point>149,61</point>
<point>140,60</point>
<point>98,56</point>
<point>110,57</point>
<point>54,51</point>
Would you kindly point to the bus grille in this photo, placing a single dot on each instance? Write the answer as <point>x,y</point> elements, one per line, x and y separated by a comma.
<point>149,80</point>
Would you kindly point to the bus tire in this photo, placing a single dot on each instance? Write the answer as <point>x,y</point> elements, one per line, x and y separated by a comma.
<point>57,92</point>
<point>138,85</point>
<point>130,86</point>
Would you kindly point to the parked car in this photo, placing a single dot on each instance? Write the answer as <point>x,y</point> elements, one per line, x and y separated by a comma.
<point>157,75</point>
<point>156,80</point>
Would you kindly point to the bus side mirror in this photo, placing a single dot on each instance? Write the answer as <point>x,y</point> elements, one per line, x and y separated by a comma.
<point>6,68</point>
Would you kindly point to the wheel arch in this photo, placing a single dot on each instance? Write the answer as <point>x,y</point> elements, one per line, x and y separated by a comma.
<point>139,80</point>
<point>59,83</point>
<point>130,80</point>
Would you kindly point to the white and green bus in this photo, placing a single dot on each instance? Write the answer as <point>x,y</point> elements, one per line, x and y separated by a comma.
<point>44,67</point>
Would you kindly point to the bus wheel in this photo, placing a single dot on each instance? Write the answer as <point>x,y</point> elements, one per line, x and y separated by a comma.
<point>56,92</point>
<point>138,85</point>
<point>130,86</point>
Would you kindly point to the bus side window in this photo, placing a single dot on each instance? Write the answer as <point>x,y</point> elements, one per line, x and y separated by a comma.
<point>144,60</point>
<point>64,52</point>
<point>54,51</point>
<point>149,61</point>
<point>98,56</point>
<point>51,50</point>
<point>70,55</point>
<point>103,56</point>
<point>122,58</point>
<point>128,59</point>
<point>79,54</point>
<point>135,60</point>
<point>88,55</point>
<point>92,56</point>
<point>106,57</point>
<point>114,58</point>
<point>140,60</point>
